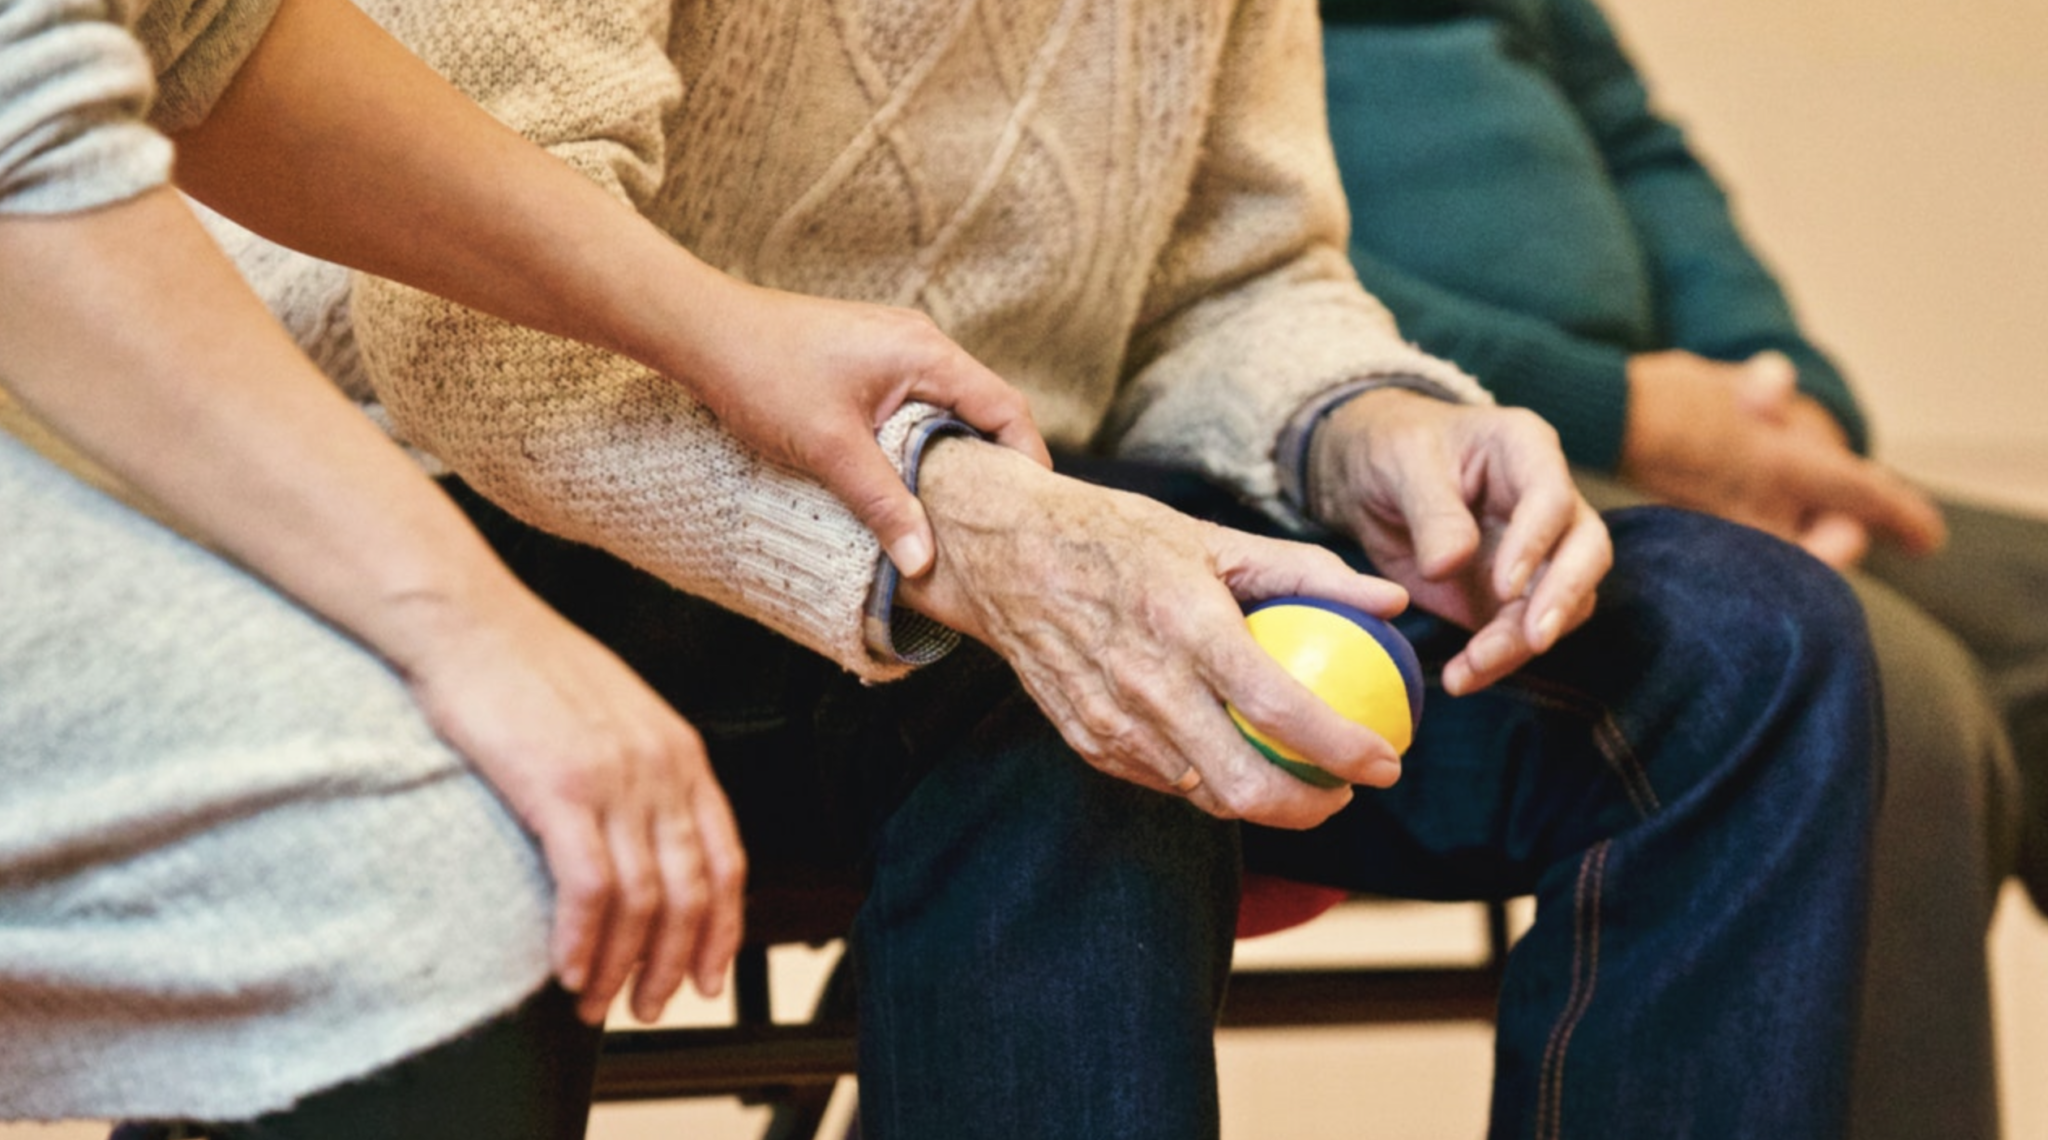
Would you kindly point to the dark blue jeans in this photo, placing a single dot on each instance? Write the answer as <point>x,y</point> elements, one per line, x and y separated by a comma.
<point>1686,784</point>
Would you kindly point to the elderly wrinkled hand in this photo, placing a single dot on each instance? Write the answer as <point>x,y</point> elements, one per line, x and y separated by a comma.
<point>1122,617</point>
<point>1471,508</point>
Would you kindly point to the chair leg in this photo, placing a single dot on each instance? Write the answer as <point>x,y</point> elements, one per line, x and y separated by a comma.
<point>800,1114</point>
<point>1497,933</point>
<point>750,986</point>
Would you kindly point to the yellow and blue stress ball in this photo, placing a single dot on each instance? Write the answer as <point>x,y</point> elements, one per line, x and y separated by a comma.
<point>1356,662</point>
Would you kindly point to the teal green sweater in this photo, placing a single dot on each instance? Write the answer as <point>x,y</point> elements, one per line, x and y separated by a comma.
<point>1524,212</point>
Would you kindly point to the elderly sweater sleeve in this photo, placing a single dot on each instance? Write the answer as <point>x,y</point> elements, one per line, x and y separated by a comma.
<point>1254,308</point>
<point>582,442</point>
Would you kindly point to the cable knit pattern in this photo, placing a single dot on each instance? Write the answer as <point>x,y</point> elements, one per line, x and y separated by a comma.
<point>1129,209</point>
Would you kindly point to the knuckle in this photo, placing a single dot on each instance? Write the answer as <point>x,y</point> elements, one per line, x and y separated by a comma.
<point>1321,559</point>
<point>585,884</point>
<point>592,778</point>
<point>687,906</point>
<point>882,508</point>
<point>1532,426</point>
<point>1101,717</point>
<point>1123,740</point>
<point>683,738</point>
<point>727,876</point>
<point>912,321</point>
<point>1266,706</point>
<point>1229,799</point>
<point>639,895</point>
<point>664,747</point>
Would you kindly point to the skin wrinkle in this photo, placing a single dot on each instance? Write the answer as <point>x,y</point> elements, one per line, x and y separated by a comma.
<point>1108,656</point>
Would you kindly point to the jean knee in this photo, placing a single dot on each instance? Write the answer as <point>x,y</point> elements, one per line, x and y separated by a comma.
<point>1731,589</point>
<point>1742,621</point>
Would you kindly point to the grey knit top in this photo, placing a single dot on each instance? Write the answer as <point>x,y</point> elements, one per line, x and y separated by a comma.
<point>236,866</point>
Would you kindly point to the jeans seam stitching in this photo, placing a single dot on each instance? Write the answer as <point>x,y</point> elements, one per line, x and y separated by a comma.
<point>1585,977</point>
<point>1608,736</point>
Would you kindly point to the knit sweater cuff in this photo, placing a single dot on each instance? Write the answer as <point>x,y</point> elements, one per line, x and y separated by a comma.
<point>800,564</point>
<point>1220,404</point>
<point>196,61</point>
<point>903,636</point>
<point>1299,437</point>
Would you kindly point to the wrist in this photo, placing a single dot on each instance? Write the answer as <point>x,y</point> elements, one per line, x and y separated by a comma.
<point>946,476</point>
<point>678,313</point>
<point>441,605</point>
<point>978,496</point>
<point>905,634</point>
<point>1333,450</point>
<point>1654,418</point>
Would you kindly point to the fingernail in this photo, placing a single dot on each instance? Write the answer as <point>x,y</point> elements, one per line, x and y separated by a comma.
<point>572,978</point>
<point>1382,773</point>
<point>1547,628</point>
<point>911,554</point>
<point>1518,578</point>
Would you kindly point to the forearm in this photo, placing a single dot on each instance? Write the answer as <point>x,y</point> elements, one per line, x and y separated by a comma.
<point>337,141</point>
<point>590,446</point>
<point>130,336</point>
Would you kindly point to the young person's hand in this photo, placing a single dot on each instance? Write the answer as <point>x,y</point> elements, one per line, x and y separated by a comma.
<point>646,859</point>
<point>807,380</point>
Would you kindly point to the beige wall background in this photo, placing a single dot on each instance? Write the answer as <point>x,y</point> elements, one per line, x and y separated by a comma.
<point>1891,160</point>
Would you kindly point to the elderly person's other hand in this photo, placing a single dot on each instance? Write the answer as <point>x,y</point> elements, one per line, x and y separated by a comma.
<point>1123,619</point>
<point>1474,511</point>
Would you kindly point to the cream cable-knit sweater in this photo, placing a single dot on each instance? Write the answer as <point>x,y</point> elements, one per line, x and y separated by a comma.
<point>1128,208</point>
